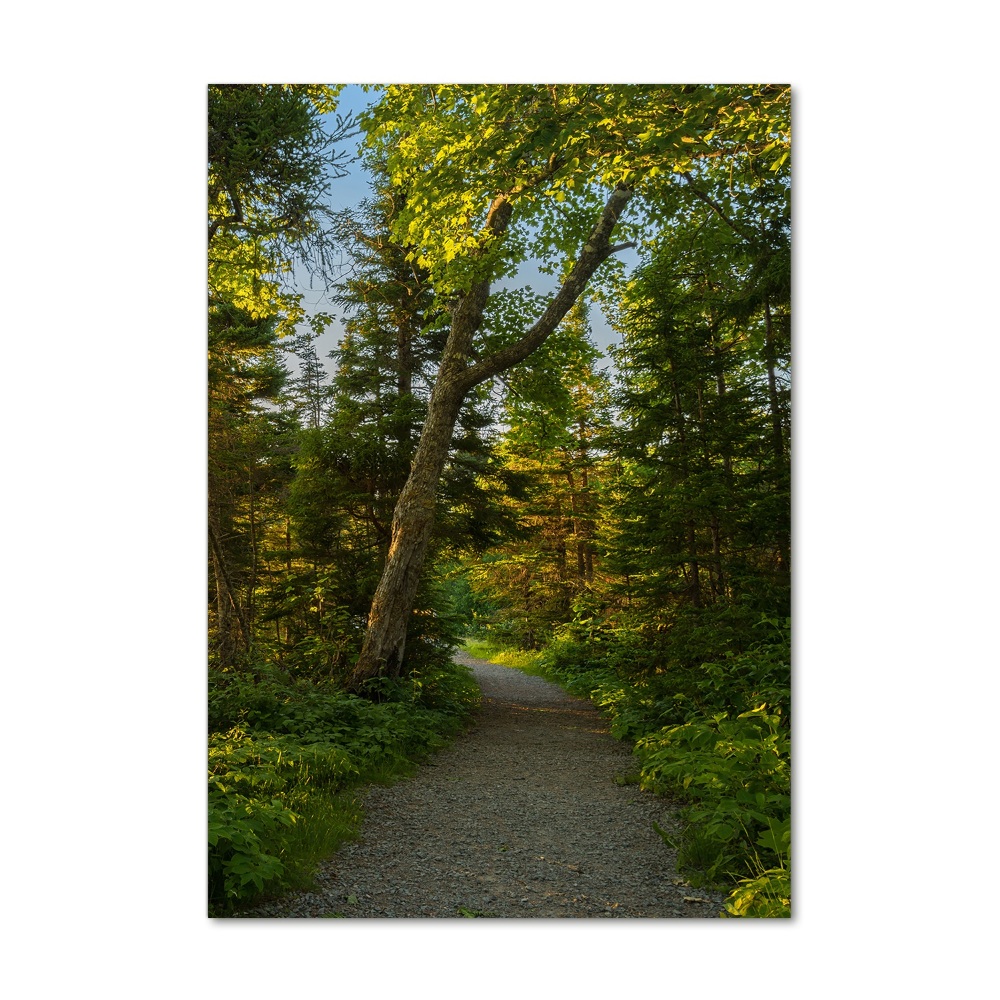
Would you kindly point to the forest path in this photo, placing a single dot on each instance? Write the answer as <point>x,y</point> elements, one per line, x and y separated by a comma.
<point>520,817</point>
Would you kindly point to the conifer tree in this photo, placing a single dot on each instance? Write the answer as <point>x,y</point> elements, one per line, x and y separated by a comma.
<point>555,413</point>
<point>269,162</point>
<point>704,507</point>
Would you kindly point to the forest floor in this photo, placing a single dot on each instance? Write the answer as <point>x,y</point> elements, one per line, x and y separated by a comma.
<point>520,817</point>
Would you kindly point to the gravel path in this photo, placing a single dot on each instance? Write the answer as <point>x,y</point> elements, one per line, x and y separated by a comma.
<point>520,817</point>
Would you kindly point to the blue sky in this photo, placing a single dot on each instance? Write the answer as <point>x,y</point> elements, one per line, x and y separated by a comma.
<point>349,191</point>
<point>345,192</point>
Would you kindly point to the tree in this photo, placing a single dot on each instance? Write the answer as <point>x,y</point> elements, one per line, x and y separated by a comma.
<point>555,410</point>
<point>269,161</point>
<point>351,465</point>
<point>486,169</point>
<point>702,512</point>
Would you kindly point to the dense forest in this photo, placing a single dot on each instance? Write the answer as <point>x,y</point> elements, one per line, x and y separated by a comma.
<point>472,469</point>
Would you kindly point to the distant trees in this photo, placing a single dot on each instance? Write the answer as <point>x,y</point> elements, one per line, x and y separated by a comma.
<point>555,412</point>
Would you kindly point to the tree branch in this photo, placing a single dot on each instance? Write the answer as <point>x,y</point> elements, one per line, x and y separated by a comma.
<point>701,196</point>
<point>595,251</point>
<point>228,220</point>
<point>467,314</point>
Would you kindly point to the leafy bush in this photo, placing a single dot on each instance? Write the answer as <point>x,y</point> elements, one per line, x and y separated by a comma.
<point>265,764</point>
<point>239,828</point>
<point>735,774</point>
<point>760,676</point>
<point>767,895</point>
<point>284,755</point>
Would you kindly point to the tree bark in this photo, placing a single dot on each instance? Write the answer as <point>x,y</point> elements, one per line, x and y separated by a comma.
<point>385,640</point>
<point>225,590</point>
<point>695,584</point>
<point>777,435</point>
<point>770,352</point>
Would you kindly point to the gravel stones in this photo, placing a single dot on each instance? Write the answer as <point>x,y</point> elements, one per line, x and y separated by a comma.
<point>520,817</point>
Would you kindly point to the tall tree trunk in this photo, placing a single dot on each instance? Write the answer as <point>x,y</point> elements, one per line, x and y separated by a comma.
<point>385,640</point>
<point>405,333</point>
<point>227,593</point>
<point>695,585</point>
<point>252,584</point>
<point>578,530</point>
<point>718,581</point>
<point>561,566</point>
<point>588,506</point>
<point>777,436</point>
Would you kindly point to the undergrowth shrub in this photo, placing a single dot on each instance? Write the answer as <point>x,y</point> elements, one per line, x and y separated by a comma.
<point>240,831</point>
<point>735,775</point>
<point>284,754</point>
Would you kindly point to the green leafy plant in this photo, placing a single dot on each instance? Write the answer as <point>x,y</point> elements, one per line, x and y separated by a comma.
<point>280,776</point>
<point>767,894</point>
<point>239,829</point>
<point>735,774</point>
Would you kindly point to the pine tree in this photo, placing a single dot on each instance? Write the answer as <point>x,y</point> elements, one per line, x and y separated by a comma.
<point>703,503</point>
<point>269,160</point>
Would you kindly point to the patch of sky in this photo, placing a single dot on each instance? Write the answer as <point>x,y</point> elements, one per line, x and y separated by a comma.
<point>350,190</point>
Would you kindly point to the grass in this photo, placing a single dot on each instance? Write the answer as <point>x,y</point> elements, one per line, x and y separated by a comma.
<point>329,819</point>
<point>527,661</point>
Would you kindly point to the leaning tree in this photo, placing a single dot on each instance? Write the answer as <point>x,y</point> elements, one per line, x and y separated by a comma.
<point>489,177</point>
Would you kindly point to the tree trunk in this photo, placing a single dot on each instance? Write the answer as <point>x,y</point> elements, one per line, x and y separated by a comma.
<point>588,507</point>
<point>578,532</point>
<point>777,436</point>
<point>252,584</point>
<point>405,333</point>
<point>385,640</point>
<point>718,581</point>
<point>227,595</point>
<point>561,565</point>
<point>695,585</point>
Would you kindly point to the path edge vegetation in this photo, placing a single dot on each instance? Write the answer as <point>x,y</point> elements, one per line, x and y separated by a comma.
<point>288,761</point>
<point>727,770</point>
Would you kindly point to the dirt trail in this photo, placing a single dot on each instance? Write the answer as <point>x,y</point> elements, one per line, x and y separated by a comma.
<point>521,817</point>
